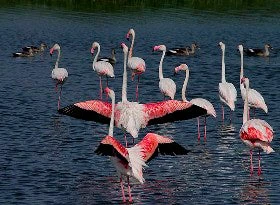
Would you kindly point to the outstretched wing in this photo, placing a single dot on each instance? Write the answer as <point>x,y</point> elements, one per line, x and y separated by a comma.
<point>154,144</point>
<point>109,146</point>
<point>92,110</point>
<point>171,110</point>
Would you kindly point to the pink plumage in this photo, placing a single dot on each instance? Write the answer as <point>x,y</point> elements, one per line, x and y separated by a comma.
<point>255,133</point>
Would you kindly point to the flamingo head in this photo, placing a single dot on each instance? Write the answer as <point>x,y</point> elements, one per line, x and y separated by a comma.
<point>181,67</point>
<point>109,92</point>
<point>222,45</point>
<point>245,81</point>
<point>159,48</point>
<point>125,48</point>
<point>130,32</point>
<point>55,47</point>
<point>240,48</point>
<point>94,45</point>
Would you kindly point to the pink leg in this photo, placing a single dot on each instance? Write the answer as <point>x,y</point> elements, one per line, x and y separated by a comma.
<point>137,89</point>
<point>205,129</point>
<point>107,86</point>
<point>123,195</point>
<point>259,170</point>
<point>100,84</point>
<point>129,190</point>
<point>223,115</point>
<point>251,163</point>
<point>198,130</point>
<point>59,96</point>
<point>125,139</point>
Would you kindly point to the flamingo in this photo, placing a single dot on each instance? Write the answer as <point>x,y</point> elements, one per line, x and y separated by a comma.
<point>136,64</point>
<point>132,116</point>
<point>103,68</point>
<point>130,161</point>
<point>166,85</point>
<point>255,133</point>
<point>255,99</point>
<point>227,91</point>
<point>59,75</point>
<point>203,103</point>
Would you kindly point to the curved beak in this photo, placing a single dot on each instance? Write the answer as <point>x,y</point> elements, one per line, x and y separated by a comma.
<point>92,51</point>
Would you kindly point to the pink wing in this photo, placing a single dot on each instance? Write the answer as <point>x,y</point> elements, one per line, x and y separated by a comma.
<point>92,110</point>
<point>109,146</point>
<point>158,112</point>
<point>171,110</point>
<point>153,144</point>
<point>256,129</point>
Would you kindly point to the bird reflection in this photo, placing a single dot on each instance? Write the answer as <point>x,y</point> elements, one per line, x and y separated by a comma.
<point>254,191</point>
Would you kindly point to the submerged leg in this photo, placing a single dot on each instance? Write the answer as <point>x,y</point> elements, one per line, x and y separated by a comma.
<point>137,84</point>
<point>259,169</point>
<point>205,129</point>
<point>59,96</point>
<point>129,190</point>
<point>100,84</point>
<point>198,130</point>
<point>223,115</point>
<point>251,163</point>
<point>123,195</point>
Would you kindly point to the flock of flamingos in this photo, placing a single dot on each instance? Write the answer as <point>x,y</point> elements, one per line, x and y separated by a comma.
<point>132,116</point>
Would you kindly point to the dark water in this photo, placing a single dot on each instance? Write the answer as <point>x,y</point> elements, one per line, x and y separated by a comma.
<point>46,158</point>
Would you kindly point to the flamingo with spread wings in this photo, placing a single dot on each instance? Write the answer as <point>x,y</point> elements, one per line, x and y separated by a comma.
<point>130,161</point>
<point>132,116</point>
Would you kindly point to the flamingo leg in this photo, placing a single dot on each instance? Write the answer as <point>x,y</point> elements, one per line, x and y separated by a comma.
<point>137,88</point>
<point>100,84</point>
<point>125,139</point>
<point>107,86</point>
<point>223,114</point>
<point>205,129</point>
<point>251,163</point>
<point>198,130</point>
<point>259,169</point>
<point>230,116</point>
<point>59,96</point>
<point>129,190</point>
<point>123,195</point>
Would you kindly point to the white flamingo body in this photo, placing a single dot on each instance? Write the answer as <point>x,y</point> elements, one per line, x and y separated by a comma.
<point>255,133</point>
<point>103,68</point>
<point>228,94</point>
<point>59,75</point>
<point>166,85</point>
<point>227,91</point>
<point>255,99</point>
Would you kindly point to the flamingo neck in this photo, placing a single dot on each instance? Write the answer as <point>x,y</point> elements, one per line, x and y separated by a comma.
<point>124,85</point>
<point>241,70</point>
<point>111,128</point>
<point>223,67</point>
<point>131,46</point>
<point>96,56</point>
<point>245,112</point>
<point>160,66</point>
<point>184,88</point>
<point>58,58</point>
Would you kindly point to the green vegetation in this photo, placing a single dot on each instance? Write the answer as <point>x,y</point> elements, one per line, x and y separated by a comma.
<point>134,5</point>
